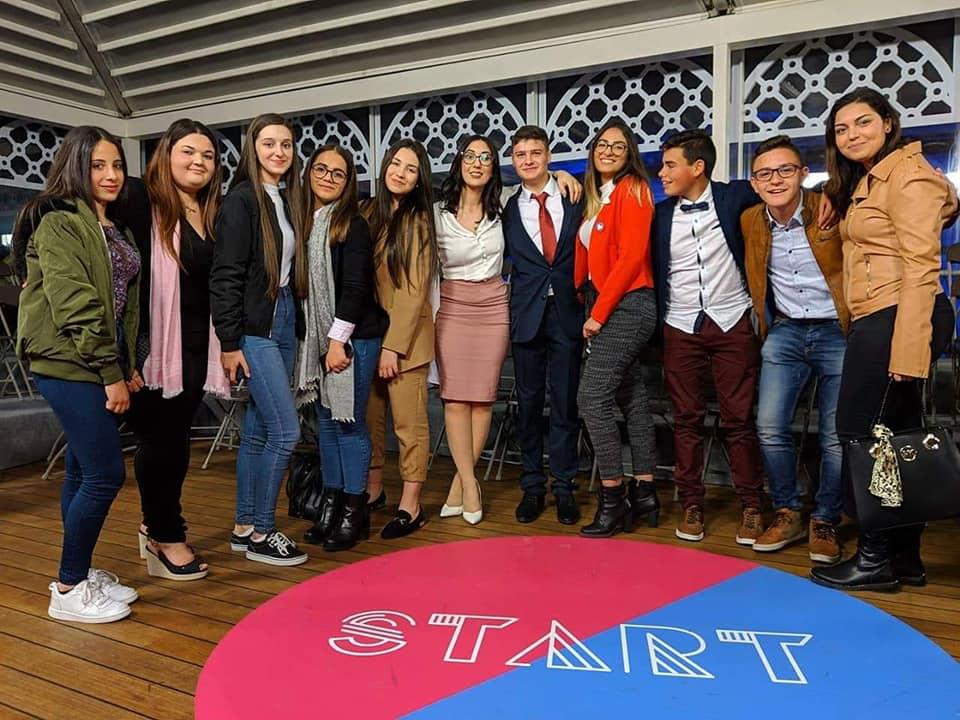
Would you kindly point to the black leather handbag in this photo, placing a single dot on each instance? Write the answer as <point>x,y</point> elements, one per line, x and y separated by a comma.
<point>904,478</point>
<point>304,485</point>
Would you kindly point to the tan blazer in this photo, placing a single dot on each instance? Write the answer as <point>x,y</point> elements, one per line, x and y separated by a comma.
<point>826,247</point>
<point>411,316</point>
<point>891,250</point>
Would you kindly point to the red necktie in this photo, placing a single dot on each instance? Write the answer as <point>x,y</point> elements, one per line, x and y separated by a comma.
<point>548,234</point>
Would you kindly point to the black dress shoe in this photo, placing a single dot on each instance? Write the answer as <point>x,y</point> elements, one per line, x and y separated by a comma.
<point>568,512</point>
<point>530,507</point>
<point>403,524</point>
<point>378,503</point>
<point>869,569</point>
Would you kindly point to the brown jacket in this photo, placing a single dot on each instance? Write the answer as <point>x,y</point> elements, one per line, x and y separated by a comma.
<point>826,247</point>
<point>891,251</point>
<point>411,317</point>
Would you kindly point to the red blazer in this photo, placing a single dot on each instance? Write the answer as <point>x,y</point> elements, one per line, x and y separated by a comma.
<point>619,257</point>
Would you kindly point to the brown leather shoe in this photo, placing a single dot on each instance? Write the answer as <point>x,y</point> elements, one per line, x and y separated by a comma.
<point>691,528</point>
<point>824,546</point>
<point>787,527</point>
<point>751,526</point>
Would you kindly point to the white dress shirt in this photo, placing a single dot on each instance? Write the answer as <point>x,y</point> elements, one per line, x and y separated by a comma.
<point>530,211</point>
<point>586,228</point>
<point>800,290</point>
<point>466,255</point>
<point>703,276</point>
<point>286,229</point>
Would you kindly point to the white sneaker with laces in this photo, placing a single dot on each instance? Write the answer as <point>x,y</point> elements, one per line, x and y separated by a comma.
<point>85,603</point>
<point>110,584</point>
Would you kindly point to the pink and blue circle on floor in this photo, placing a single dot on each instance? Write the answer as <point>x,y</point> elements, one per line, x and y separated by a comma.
<point>551,627</point>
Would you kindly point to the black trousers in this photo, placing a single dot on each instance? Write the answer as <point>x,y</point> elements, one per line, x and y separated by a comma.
<point>866,376</point>
<point>162,430</point>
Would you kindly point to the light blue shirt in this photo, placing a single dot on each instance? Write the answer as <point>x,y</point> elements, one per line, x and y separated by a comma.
<point>799,288</point>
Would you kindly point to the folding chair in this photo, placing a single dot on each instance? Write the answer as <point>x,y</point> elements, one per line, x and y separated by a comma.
<point>228,434</point>
<point>12,371</point>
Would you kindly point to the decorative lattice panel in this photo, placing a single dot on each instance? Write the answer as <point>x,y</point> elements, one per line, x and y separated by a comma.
<point>316,130</point>
<point>792,89</point>
<point>655,100</point>
<point>229,157</point>
<point>26,152</point>
<point>441,122</point>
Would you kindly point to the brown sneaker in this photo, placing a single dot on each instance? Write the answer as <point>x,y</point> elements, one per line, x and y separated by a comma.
<point>824,547</point>
<point>787,527</point>
<point>751,525</point>
<point>692,526</point>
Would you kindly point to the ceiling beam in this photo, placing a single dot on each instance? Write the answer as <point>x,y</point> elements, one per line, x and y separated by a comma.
<point>119,9</point>
<point>30,7</point>
<point>30,107</point>
<point>50,79</point>
<point>46,37</point>
<point>72,15</point>
<point>335,23</point>
<point>45,58</point>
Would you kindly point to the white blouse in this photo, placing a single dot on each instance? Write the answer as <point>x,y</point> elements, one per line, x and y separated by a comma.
<point>586,229</point>
<point>466,255</point>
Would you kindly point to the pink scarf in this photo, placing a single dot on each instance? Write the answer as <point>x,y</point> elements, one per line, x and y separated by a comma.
<point>163,369</point>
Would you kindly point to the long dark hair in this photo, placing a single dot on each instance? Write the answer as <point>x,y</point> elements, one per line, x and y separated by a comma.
<point>164,198</point>
<point>408,232</point>
<point>633,167</point>
<point>68,180</point>
<point>846,174</point>
<point>249,170</point>
<point>453,184</point>
<point>348,206</point>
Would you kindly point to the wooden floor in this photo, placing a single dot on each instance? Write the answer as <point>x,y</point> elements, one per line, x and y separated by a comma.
<point>147,666</point>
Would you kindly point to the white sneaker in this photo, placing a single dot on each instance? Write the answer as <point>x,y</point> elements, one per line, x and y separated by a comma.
<point>110,584</point>
<point>85,603</point>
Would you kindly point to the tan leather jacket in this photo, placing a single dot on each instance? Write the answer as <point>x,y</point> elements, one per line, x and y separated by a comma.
<point>891,250</point>
<point>826,247</point>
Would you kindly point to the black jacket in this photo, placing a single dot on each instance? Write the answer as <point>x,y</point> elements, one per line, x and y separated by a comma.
<point>240,302</point>
<point>354,286</point>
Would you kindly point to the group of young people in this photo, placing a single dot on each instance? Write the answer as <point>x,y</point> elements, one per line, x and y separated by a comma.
<point>138,298</point>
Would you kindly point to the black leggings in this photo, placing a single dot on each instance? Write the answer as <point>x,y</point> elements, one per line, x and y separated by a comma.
<point>162,429</point>
<point>866,375</point>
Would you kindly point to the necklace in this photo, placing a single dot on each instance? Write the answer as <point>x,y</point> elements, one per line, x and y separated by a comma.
<point>192,210</point>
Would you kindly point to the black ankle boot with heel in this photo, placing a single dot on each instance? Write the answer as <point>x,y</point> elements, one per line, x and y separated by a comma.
<point>353,525</point>
<point>328,514</point>
<point>644,502</point>
<point>905,555</point>
<point>614,513</point>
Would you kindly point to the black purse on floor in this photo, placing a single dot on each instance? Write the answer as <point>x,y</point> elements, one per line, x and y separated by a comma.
<point>904,478</point>
<point>304,485</point>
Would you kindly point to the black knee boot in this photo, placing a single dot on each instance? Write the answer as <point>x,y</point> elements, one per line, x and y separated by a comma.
<point>328,514</point>
<point>905,555</point>
<point>644,502</point>
<point>869,569</point>
<point>613,513</point>
<point>354,524</point>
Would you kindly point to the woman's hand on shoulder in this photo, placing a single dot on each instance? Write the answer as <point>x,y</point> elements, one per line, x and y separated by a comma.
<point>570,187</point>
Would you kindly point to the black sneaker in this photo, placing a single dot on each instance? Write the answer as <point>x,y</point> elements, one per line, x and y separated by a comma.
<point>276,549</point>
<point>239,543</point>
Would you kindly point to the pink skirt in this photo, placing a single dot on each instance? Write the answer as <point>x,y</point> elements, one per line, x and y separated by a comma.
<point>473,329</point>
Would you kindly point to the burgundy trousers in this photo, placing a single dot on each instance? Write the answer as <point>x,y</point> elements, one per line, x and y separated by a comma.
<point>734,359</point>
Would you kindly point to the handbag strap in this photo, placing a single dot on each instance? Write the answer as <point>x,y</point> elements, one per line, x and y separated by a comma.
<point>919,384</point>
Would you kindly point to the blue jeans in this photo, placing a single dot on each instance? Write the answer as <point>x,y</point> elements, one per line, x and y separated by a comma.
<point>94,468</point>
<point>271,427</point>
<point>345,446</point>
<point>792,352</point>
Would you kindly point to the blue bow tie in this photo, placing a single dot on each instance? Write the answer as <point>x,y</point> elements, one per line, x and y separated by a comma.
<point>692,207</point>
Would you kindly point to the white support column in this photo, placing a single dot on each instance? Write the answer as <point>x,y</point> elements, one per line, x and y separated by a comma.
<point>735,118</point>
<point>131,148</point>
<point>721,109</point>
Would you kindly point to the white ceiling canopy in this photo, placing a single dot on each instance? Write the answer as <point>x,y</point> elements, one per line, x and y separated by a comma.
<point>136,57</point>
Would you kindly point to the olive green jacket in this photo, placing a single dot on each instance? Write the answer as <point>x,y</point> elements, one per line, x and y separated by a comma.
<point>66,328</point>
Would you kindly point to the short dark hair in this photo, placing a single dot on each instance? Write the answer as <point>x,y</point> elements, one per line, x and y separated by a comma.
<point>530,132</point>
<point>777,142</point>
<point>696,145</point>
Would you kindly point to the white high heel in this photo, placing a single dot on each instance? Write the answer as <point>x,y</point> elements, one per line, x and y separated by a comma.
<point>447,511</point>
<point>143,539</point>
<point>474,517</point>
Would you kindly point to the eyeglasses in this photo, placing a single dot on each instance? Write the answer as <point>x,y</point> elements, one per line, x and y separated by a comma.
<point>784,171</point>
<point>320,171</point>
<point>616,148</point>
<point>470,157</point>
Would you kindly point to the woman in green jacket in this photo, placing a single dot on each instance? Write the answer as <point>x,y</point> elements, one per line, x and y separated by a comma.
<point>77,329</point>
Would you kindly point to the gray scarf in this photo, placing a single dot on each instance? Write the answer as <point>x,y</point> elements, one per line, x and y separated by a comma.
<point>334,390</point>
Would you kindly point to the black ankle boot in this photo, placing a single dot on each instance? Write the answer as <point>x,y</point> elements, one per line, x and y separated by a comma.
<point>905,555</point>
<point>613,513</point>
<point>869,569</point>
<point>644,502</point>
<point>354,524</point>
<point>328,514</point>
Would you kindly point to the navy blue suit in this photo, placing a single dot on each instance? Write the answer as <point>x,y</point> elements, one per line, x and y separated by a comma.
<point>547,336</point>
